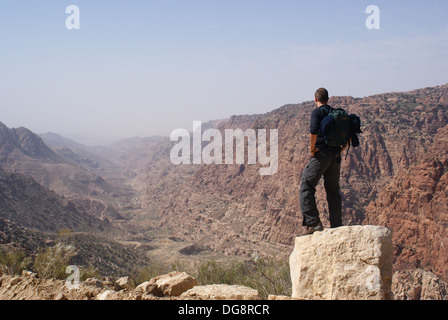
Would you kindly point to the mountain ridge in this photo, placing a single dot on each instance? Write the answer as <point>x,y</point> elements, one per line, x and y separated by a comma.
<point>23,151</point>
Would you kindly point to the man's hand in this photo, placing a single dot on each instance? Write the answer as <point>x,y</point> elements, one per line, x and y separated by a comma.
<point>313,152</point>
<point>343,149</point>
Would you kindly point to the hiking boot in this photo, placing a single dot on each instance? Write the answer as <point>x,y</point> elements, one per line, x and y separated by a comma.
<point>317,228</point>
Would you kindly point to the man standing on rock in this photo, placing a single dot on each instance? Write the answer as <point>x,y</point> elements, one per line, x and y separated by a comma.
<point>326,162</point>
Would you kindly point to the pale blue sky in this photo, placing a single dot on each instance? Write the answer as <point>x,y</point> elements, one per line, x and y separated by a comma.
<point>142,68</point>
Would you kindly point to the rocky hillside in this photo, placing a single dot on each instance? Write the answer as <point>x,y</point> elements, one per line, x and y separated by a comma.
<point>26,203</point>
<point>23,151</point>
<point>233,209</point>
<point>31,217</point>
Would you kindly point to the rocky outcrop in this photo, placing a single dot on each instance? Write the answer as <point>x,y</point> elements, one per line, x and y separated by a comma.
<point>348,263</point>
<point>30,287</point>
<point>172,286</point>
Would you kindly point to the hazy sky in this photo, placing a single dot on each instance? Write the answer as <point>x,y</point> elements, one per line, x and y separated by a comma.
<point>142,68</point>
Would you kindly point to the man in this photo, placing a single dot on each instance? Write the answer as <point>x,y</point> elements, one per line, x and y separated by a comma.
<point>326,162</point>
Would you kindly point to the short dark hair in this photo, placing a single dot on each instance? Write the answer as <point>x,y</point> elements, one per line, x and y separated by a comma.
<point>322,95</point>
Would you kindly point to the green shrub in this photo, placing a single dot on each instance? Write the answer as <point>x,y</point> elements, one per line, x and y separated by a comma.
<point>89,272</point>
<point>52,262</point>
<point>267,275</point>
<point>152,270</point>
<point>14,262</point>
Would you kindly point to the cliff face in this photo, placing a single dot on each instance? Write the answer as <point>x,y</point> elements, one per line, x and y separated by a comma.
<point>233,209</point>
<point>415,206</point>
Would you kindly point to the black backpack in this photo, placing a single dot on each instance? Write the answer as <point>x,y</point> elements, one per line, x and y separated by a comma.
<point>336,128</point>
<point>339,128</point>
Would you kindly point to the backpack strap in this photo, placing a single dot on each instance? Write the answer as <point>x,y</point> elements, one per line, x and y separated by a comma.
<point>327,108</point>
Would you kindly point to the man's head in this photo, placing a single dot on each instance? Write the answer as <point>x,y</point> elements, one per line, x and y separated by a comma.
<point>321,96</point>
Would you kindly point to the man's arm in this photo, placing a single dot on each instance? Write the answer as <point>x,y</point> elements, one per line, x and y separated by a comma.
<point>313,139</point>
<point>316,118</point>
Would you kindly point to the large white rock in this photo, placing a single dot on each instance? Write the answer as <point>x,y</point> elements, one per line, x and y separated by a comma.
<point>347,263</point>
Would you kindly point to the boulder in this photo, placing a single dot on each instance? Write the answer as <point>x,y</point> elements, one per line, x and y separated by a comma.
<point>347,263</point>
<point>221,292</point>
<point>123,283</point>
<point>172,284</point>
<point>148,287</point>
<point>106,295</point>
